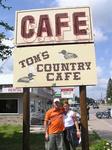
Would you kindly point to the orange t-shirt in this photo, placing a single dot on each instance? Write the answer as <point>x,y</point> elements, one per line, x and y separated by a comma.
<point>55,119</point>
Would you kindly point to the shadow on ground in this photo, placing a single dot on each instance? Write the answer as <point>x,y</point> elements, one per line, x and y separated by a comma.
<point>14,141</point>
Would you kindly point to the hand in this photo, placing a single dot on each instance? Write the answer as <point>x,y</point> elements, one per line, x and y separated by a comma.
<point>78,134</point>
<point>46,136</point>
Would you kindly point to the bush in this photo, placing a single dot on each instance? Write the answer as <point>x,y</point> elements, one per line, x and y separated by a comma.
<point>101,145</point>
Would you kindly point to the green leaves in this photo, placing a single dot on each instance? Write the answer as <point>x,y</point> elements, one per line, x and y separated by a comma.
<point>3,5</point>
<point>6,26</point>
<point>109,91</point>
<point>5,50</point>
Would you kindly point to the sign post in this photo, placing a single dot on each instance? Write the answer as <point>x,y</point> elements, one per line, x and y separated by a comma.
<point>54,47</point>
<point>26,121</point>
<point>84,121</point>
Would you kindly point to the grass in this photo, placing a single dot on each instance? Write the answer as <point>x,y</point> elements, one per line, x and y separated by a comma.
<point>96,143</point>
<point>11,139</point>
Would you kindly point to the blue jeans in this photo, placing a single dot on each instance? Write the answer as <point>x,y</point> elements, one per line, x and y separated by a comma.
<point>70,138</point>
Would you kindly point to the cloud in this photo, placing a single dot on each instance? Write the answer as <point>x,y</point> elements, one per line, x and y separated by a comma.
<point>64,3</point>
<point>111,64</point>
<point>101,18</point>
<point>101,80</point>
<point>6,66</point>
<point>96,92</point>
<point>101,14</point>
<point>8,43</point>
<point>6,79</point>
<point>99,90</point>
<point>99,35</point>
<point>111,68</point>
<point>99,71</point>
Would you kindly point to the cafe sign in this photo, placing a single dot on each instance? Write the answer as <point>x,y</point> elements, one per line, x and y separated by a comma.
<point>50,26</point>
<point>55,65</point>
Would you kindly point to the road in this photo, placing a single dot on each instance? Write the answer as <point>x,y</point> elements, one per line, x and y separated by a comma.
<point>102,126</point>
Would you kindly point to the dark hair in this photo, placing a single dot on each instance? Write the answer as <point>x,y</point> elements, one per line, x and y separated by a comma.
<point>66,102</point>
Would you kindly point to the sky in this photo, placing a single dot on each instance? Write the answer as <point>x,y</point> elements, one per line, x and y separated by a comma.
<point>102,28</point>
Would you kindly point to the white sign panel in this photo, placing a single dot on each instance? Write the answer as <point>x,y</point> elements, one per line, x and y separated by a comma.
<point>67,92</point>
<point>49,26</point>
<point>59,65</point>
<point>12,90</point>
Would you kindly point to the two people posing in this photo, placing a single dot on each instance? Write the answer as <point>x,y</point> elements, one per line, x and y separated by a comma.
<point>61,127</point>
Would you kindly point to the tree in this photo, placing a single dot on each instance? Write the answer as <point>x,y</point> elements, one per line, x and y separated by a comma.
<point>109,91</point>
<point>89,100</point>
<point>5,51</point>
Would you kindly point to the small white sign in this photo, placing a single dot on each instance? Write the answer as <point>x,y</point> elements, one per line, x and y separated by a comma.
<point>67,92</point>
<point>12,90</point>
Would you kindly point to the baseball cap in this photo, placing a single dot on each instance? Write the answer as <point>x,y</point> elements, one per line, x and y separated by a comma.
<point>56,100</point>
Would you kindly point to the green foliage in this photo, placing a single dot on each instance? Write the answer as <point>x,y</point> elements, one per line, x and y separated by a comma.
<point>11,139</point>
<point>37,141</point>
<point>9,130</point>
<point>6,26</point>
<point>96,143</point>
<point>109,91</point>
<point>77,99</point>
<point>4,6</point>
<point>5,51</point>
<point>100,145</point>
<point>94,137</point>
<point>89,100</point>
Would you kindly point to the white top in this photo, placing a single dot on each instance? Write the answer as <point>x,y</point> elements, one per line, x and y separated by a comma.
<point>68,119</point>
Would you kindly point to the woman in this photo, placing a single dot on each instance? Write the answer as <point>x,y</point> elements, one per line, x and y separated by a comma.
<point>72,132</point>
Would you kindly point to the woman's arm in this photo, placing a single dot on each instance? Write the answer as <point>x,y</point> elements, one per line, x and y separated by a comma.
<point>76,125</point>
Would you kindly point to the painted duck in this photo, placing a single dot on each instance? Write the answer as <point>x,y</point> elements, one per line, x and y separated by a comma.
<point>68,55</point>
<point>26,79</point>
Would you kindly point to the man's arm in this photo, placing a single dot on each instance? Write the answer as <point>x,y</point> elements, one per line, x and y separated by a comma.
<point>46,130</point>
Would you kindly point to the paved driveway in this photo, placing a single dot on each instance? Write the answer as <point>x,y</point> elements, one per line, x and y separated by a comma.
<point>102,126</point>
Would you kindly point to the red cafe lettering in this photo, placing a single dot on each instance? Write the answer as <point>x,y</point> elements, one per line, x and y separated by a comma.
<point>43,26</point>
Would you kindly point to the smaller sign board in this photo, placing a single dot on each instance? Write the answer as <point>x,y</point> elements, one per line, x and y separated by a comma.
<point>12,90</point>
<point>59,65</point>
<point>67,92</point>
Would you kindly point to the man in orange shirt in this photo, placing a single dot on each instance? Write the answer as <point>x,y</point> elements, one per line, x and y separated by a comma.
<point>54,126</point>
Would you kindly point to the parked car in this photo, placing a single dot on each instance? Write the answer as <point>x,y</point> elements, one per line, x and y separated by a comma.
<point>104,114</point>
<point>95,106</point>
<point>75,107</point>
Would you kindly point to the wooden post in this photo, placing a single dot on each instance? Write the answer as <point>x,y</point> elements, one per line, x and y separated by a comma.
<point>84,120</point>
<point>26,118</point>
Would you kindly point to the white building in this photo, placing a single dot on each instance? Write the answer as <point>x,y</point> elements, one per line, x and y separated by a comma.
<point>11,102</point>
